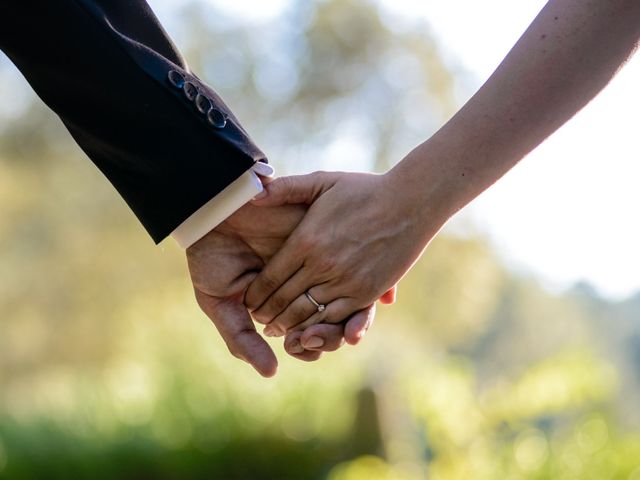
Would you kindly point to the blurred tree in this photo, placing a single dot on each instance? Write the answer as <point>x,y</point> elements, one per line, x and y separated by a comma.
<point>326,72</point>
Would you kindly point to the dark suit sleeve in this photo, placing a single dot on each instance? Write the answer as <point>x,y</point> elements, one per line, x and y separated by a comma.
<point>166,141</point>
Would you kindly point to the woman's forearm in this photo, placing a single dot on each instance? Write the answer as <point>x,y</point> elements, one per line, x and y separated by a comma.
<point>569,53</point>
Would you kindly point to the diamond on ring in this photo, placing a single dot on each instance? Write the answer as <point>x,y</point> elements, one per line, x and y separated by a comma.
<point>319,306</point>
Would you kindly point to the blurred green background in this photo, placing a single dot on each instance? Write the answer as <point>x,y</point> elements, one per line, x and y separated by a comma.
<point>109,370</point>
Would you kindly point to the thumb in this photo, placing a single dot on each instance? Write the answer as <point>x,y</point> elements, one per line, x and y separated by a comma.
<point>294,189</point>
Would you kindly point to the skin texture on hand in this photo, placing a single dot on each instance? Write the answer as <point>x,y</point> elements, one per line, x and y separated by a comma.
<point>354,244</point>
<point>222,265</point>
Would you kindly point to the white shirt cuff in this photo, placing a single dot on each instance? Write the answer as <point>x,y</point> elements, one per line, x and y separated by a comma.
<point>222,206</point>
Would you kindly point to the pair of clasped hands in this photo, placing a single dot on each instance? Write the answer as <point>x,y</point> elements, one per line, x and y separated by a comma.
<point>343,240</point>
<point>304,235</point>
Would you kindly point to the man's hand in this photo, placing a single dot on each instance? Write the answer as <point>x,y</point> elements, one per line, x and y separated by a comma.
<point>221,268</point>
<point>222,265</point>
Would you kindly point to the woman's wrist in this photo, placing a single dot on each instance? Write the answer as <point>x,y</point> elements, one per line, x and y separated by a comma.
<point>432,183</point>
<point>408,204</point>
<point>466,156</point>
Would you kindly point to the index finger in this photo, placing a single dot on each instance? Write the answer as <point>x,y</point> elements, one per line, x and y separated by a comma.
<point>282,266</point>
<point>236,328</point>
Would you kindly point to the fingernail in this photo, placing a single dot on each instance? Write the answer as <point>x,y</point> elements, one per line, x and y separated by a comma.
<point>296,347</point>
<point>269,331</point>
<point>261,195</point>
<point>314,342</point>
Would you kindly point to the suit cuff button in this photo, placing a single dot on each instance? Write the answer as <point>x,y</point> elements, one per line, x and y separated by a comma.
<point>203,104</point>
<point>175,78</point>
<point>216,119</point>
<point>190,91</point>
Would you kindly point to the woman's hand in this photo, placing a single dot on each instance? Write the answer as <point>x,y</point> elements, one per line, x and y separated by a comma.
<point>224,262</point>
<point>360,235</point>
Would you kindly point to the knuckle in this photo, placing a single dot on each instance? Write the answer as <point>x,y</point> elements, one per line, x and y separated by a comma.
<point>277,183</point>
<point>328,247</point>
<point>283,188</point>
<point>282,185</point>
<point>318,175</point>
<point>307,242</point>
<point>315,176</point>
<point>326,264</point>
